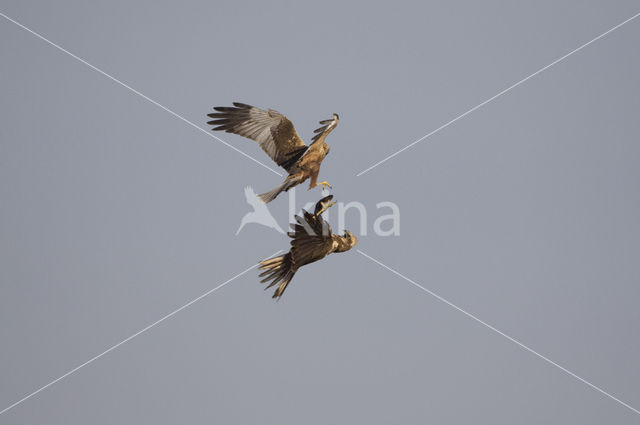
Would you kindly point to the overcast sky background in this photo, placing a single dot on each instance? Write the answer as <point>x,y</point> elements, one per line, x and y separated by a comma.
<point>524,213</point>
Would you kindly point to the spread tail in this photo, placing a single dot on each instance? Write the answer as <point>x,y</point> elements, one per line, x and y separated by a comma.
<point>287,184</point>
<point>280,271</point>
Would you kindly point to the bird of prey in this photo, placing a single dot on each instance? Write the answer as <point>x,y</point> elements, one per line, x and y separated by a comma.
<point>260,213</point>
<point>277,136</point>
<point>312,241</point>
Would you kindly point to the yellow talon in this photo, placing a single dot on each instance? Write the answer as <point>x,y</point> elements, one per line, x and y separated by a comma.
<point>324,184</point>
<point>325,207</point>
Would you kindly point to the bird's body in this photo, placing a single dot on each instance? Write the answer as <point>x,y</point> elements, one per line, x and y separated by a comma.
<point>277,136</point>
<point>312,241</point>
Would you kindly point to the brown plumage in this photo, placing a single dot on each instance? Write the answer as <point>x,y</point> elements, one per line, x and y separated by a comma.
<point>277,136</point>
<point>312,241</point>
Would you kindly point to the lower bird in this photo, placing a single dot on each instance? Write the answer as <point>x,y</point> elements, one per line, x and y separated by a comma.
<point>312,241</point>
<point>277,136</point>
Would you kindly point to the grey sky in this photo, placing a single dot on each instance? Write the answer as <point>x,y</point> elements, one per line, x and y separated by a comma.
<point>524,213</point>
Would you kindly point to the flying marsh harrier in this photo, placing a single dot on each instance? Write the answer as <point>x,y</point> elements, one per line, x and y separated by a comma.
<point>312,241</point>
<point>277,136</point>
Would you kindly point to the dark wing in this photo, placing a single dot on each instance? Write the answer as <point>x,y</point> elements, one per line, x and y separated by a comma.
<point>327,127</point>
<point>312,239</point>
<point>321,204</point>
<point>275,134</point>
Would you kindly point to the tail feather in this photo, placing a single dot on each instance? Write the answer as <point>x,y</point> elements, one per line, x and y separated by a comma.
<point>280,271</point>
<point>287,184</point>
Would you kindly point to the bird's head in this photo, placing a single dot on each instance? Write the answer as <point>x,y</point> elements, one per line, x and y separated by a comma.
<point>351,238</point>
<point>346,241</point>
<point>336,116</point>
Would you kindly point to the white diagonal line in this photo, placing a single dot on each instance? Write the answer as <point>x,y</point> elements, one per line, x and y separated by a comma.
<point>114,79</point>
<point>496,96</point>
<point>499,332</point>
<point>124,341</point>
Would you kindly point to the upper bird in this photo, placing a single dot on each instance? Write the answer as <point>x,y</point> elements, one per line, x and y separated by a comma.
<point>277,136</point>
<point>312,240</point>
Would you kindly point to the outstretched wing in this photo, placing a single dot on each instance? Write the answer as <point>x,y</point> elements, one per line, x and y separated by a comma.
<point>275,134</point>
<point>312,239</point>
<point>327,127</point>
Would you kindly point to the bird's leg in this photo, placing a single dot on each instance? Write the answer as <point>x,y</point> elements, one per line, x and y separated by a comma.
<point>314,178</point>
<point>325,206</point>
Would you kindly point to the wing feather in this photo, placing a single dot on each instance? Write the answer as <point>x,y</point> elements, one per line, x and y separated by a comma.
<point>312,238</point>
<point>274,132</point>
<point>327,127</point>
